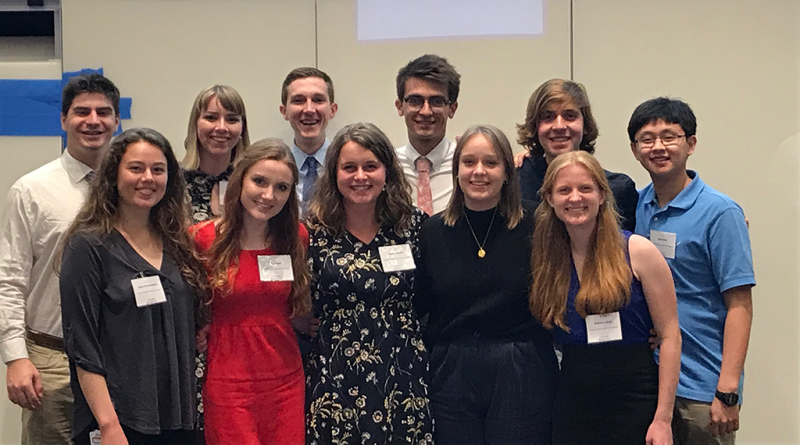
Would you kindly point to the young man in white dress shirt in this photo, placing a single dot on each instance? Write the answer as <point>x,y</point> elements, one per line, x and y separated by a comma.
<point>39,208</point>
<point>427,96</point>
<point>307,104</point>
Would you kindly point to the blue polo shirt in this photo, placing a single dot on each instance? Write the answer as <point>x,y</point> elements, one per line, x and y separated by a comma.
<point>712,255</point>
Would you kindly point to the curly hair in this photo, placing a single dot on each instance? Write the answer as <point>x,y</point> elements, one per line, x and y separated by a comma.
<point>230,99</point>
<point>394,206</point>
<point>550,93</point>
<point>282,233</point>
<point>606,275</point>
<point>169,218</point>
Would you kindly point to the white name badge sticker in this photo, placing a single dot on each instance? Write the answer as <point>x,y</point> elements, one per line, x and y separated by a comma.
<point>396,258</point>
<point>94,437</point>
<point>665,242</point>
<point>223,187</point>
<point>275,268</point>
<point>601,328</point>
<point>148,291</point>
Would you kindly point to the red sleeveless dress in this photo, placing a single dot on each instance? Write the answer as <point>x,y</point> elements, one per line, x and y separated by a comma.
<point>254,391</point>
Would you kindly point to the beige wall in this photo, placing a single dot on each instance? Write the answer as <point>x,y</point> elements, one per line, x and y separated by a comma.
<point>737,62</point>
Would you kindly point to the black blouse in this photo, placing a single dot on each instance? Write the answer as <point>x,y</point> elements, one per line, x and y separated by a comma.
<point>146,354</point>
<point>471,296</point>
<point>531,177</point>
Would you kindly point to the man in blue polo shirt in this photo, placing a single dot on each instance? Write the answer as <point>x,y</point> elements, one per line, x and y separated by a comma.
<point>703,235</point>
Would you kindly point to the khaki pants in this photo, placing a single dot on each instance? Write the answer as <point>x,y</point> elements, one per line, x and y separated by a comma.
<point>690,422</point>
<point>51,424</point>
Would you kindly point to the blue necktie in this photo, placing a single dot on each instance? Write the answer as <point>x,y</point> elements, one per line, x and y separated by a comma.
<point>309,181</point>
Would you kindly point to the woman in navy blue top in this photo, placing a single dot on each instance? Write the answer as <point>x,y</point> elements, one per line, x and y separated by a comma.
<point>601,291</point>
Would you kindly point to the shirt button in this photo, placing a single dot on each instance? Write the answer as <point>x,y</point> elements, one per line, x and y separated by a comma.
<point>655,218</point>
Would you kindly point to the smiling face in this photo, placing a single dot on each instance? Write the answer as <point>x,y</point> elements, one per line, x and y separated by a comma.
<point>90,123</point>
<point>576,198</point>
<point>218,130</point>
<point>308,109</point>
<point>560,129</point>
<point>481,173</point>
<point>142,176</point>
<point>425,126</point>
<point>265,189</point>
<point>663,160</point>
<point>360,176</point>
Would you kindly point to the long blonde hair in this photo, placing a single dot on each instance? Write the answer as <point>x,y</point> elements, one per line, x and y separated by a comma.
<point>606,275</point>
<point>283,228</point>
<point>231,101</point>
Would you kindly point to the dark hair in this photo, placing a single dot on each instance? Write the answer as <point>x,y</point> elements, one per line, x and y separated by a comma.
<point>302,73</point>
<point>394,205</point>
<point>671,111</point>
<point>282,229</point>
<point>169,218</point>
<point>556,91</point>
<point>510,204</point>
<point>434,69</point>
<point>89,83</point>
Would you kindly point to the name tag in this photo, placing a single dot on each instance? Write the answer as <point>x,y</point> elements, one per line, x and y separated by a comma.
<point>94,437</point>
<point>223,187</point>
<point>148,291</point>
<point>665,242</point>
<point>601,328</point>
<point>396,258</point>
<point>275,268</point>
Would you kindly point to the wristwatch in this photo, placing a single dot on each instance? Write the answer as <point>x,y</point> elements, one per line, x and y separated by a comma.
<point>728,398</point>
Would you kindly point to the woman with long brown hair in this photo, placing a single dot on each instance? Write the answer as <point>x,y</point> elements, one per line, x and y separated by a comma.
<point>255,255</point>
<point>602,291</point>
<point>129,286</point>
<point>368,366</point>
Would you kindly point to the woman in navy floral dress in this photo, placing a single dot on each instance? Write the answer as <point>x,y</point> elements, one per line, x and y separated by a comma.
<point>366,373</point>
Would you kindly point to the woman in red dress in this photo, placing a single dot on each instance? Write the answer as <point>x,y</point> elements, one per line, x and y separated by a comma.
<point>255,255</point>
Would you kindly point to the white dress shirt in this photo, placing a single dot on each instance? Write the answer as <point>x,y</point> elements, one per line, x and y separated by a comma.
<point>441,174</point>
<point>300,159</point>
<point>39,208</point>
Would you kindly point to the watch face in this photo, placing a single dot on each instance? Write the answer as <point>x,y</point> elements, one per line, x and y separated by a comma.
<point>728,398</point>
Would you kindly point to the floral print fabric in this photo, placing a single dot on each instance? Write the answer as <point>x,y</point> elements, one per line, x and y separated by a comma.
<point>366,375</point>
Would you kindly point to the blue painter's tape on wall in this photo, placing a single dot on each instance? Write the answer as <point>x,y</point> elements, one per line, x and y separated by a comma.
<point>33,107</point>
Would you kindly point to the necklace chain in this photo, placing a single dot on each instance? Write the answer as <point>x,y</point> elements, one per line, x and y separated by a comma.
<point>481,251</point>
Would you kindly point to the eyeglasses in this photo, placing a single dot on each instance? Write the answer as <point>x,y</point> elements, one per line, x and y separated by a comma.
<point>669,140</point>
<point>415,102</point>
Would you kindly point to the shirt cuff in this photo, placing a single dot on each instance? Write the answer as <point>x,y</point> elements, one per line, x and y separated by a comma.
<point>13,349</point>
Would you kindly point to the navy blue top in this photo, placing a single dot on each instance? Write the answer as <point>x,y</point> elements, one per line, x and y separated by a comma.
<point>634,317</point>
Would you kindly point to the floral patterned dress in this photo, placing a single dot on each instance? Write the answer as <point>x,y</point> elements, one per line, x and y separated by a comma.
<point>199,186</point>
<point>367,370</point>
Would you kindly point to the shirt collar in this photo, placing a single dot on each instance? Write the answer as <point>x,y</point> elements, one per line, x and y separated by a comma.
<point>300,156</point>
<point>686,198</point>
<point>436,156</point>
<point>76,170</point>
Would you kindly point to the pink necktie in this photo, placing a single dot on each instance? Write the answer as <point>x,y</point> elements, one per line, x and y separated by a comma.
<point>424,198</point>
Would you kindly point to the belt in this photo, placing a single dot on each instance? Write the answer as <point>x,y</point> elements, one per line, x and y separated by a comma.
<point>44,340</point>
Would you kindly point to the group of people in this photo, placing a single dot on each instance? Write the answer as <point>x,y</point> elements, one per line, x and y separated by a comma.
<point>345,291</point>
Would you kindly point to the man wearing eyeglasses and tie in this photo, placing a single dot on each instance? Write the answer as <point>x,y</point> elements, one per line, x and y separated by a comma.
<point>703,235</point>
<point>427,95</point>
<point>307,103</point>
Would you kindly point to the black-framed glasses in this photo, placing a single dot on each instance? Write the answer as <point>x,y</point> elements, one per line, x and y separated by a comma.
<point>415,102</point>
<point>668,140</point>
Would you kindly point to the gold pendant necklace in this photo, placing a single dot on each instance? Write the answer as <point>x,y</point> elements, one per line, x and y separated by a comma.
<point>481,251</point>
